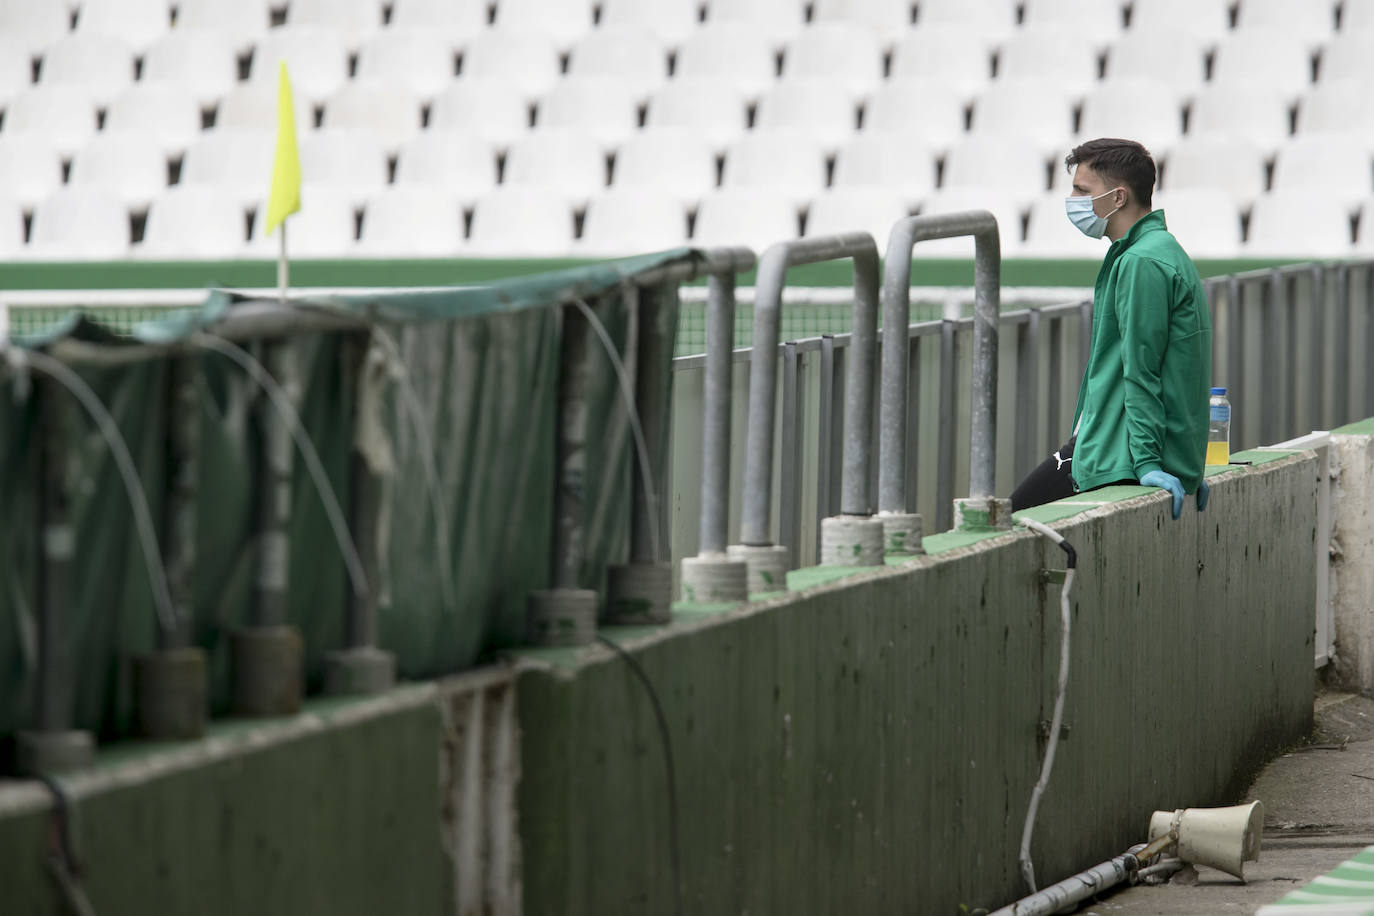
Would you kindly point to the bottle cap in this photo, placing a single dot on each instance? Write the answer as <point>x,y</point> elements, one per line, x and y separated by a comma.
<point>1220,391</point>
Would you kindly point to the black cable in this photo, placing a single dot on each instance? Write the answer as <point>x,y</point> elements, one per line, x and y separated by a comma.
<point>673,842</point>
<point>62,861</point>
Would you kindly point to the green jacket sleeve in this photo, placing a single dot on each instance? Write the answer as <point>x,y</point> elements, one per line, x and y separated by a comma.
<point>1142,314</point>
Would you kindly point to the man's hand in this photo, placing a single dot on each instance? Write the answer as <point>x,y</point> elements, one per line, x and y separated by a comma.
<point>1166,481</point>
<point>1203,491</point>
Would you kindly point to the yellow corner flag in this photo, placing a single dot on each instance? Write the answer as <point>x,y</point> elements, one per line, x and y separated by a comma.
<point>285,196</point>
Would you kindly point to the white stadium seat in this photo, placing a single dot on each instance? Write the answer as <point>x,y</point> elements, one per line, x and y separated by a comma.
<point>128,166</point>
<point>454,161</point>
<point>163,112</point>
<point>1299,223</point>
<point>818,107</point>
<point>386,109</point>
<point>1254,113</point>
<point>900,163</point>
<point>353,21</point>
<point>888,18</point>
<point>666,160</point>
<point>1032,110</point>
<point>562,21</point>
<point>560,163</point>
<point>1172,56</point>
<point>195,223</point>
<point>624,221</point>
<point>520,222</point>
<point>454,21</point>
<point>237,161</point>
<point>1097,20</point>
<point>324,227</point>
<point>1263,58</point>
<point>778,21</point>
<point>1006,211</point>
<point>869,209</point>
<point>1143,110</point>
<point>201,62</point>
<point>64,115</point>
<point>1049,53</point>
<point>844,54</point>
<point>671,21</point>
<point>1364,239</point>
<point>1347,57</point>
<point>714,109</point>
<point>11,230</point>
<point>1209,20</point>
<point>607,110</point>
<point>1205,221</point>
<point>417,58</point>
<point>1333,165</point>
<point>630,54</point>
<point>1338,104</point>
<point>97,65</point>
<point>138,22</point>
<point>929,108</point>
<point>254,105</point>
<point>1314,21</point>
<point>16,67</point>
<point>728,52</point>
<point>528,61</point>
<point>31,164</point>
<point>347,160</point>
<point>994,19</point>
<point>76,224</point>
<point>488,109</point>
<point>953,58</point>
<point>411,223</point>
<point>1223,162</point>
<point>752,217</point>
<point>785,161</point>
<point>1049,234</point>
<point>34,25</point>
<point>241,22</point>
<point>1005,165</point>
<point>315,59</point>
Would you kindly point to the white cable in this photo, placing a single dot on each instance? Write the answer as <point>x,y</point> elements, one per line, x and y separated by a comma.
<point>1027,867</point>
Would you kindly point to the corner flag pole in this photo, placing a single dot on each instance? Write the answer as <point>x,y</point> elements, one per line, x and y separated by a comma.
<point>284,197</point>
<point>283,268</point>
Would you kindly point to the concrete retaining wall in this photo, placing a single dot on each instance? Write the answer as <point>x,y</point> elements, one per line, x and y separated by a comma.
<point>866,744</point>
<point>1352,555</point>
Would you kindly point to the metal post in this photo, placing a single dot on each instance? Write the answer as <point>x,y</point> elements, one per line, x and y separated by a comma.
<point>1271,406</point>
<point>1235,359</point>
<point>1027,392</point>
<point>949,396</point>
<point>825,434</point>
<point>789,516</point>
<point>1340,366</point>
<point>1053,393</point>
<point>913,430</point>
<point>1318,412</point>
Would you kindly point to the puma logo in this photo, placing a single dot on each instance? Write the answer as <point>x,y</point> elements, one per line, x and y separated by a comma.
<point>1060,462</point>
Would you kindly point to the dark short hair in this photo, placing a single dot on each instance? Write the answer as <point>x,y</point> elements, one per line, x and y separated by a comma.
<point>1123,161</point>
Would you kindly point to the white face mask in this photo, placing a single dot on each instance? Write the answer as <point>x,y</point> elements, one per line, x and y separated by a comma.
<point>1081,214</point>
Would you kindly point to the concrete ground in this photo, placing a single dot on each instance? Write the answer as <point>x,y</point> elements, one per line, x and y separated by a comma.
<point>1319,811</point>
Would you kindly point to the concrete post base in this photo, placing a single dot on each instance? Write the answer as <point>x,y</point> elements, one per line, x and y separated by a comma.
<point>714,578</point>
<point>171,693</point>
<point>902,533</point>
<point>360,670</point>
<point>562,616</point>
<point>767,566</point>
<point>986,514</point>
<point>268,671</point>
<point>851,540</point>
<point>639,593</point>
<point>53,752</point>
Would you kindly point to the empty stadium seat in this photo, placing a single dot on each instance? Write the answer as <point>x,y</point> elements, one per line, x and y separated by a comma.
<point>353,21</point>
<point>1209,20</point>
<point>1099,21</point>
<point>324,227</point>
<point>1347,57</point>
<point>629,54</point>
<point>562,21</point>
<point>945,55</point>
<point>236,161</point>
<point>1006,211</point>
<point>411,222</point>
<point>1356,16</point>
<point>76,224</point>
<point>888,18</point>
<point>714,109</point>
<point>1299,223</point>
<point>189,222</point>
<point>671,21</point>
<point>855,209</point>
<point>527,61</point>
<point>1364,237</point>
<point>820,108</point>
<point>843,54</point>
<point>16,67</point>
<point>316,60</point>
<point>667,160</point>
<point>786,161</point>
<point>1034,111</point>
<point>1049,234</point>
<point>1263,58</point>
<point>11,231</point>
<point>1174,57</point>
<point>899,163</point>
<point>32,166</point>
<point>994,19</point>
<point>929,108</point>
<point>421,60</point>
<point>1223,162</point>
<point>778,21</point>
<point>559,163</point>
<point>1255,113</point>
<point>1314,21</point>
<point>606,110</point>
<point>488,109</point>
<point>1333,165</point>
<point>1049,53</point>
<point>623,221</point>
<point>202,63</point>
<point>386,109</point>
<point>254,105</point>
<point>454,161</point>
<point>454,21</point>
<point>349,161</point>
<point>1205,221</point>
<point>64,115</point>
<point>130,167</point>
<point>97,65</point>
<point>753,217</point>
<point>34,25</point>
<point>1143,110</point>
<point>137,22</point>
<point>1338,104</point>
<point>1000,164</point>
<point>728,52</point>
<point>520,222</point>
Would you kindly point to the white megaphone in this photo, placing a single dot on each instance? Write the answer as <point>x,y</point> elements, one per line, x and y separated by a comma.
<point>1222,838</point>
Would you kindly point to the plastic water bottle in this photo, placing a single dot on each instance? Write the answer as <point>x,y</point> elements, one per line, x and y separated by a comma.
<point>1219,430</point>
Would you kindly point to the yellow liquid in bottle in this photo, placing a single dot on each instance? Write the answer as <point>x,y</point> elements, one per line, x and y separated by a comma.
<point>1218,453</point>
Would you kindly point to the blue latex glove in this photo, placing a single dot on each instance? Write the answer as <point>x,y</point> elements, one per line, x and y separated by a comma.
<point>1166,481</point>
<point>1203,492</point>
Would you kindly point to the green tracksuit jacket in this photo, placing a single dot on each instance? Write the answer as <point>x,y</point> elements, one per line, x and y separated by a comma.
<point>1143,403</point>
